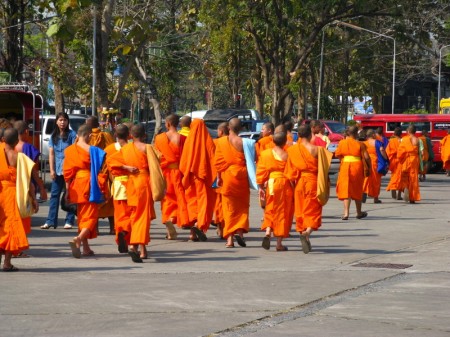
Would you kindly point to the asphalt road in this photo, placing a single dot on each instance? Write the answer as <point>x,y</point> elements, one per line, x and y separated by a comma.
<point>386,275</point>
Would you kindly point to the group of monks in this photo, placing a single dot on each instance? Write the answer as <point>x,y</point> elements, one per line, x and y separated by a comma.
<point>200,181</point>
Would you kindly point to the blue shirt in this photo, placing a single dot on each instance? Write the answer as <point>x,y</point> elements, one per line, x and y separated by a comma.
<point>58,147</point>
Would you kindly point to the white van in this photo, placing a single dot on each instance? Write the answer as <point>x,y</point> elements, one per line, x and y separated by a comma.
<point>48,125</point>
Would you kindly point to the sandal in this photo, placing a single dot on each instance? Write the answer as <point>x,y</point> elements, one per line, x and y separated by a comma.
<point>12,268</point>
<point>240,240</point>
<point>282,249</point>
<point>135,256</point>
<point>229,246</point>
<point>76,252</point>
<point>344,217</point>
<point>89,253</point>
<point>304,242</point>
<point>199,233</point>
<point>266,242</point>
<point>362,215</point>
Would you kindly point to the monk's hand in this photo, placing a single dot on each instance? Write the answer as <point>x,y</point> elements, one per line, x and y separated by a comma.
<point>35,205</point>
<point>131,169</point>
<point>261,193</point>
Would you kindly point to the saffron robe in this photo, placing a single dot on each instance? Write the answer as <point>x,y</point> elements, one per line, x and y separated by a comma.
<point>445,152</point>
<point>351,170</point>
<point>198,171</point>
<point>408,157</point>
<point>102,140</point>
<point>77,171</point>
<point>262,144</point>
<point>122,212</point>
<point>394,166</point>
<point>372,183</point>
<point>302,168</point>
<point>218,211</point>
<point>12,233</point>
<point>235,190</point>
<point>278,212</point>
<point>138,192</point>
<point>173,205</point>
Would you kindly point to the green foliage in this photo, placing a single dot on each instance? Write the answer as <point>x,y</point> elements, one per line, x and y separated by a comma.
<point>413,111</point>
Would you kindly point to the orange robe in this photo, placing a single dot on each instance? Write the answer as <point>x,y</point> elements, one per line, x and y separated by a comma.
<point>139,193</point>
<point>198,171</point>
<point>372,183</point>
<point>173,206</point>
<point>102,140</point>
<point>278,212</point>
<point>396,169</point>
<point>77,171</point>
<point>122,212</point>
<point>264,143</point>
<point>351,171</point>
<point>218,210</point>
<point>289,139</point>
<point>408,157</point>
<point>445,152</point>
<point>302,168</point>
<point>12,234</point>
<point>235,190</point>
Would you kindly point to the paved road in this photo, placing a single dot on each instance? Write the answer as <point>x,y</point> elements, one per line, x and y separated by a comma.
<point>203,289</point>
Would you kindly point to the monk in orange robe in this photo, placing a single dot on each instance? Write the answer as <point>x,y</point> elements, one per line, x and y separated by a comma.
<point>445,153</point>
<point>33,154</point>
<point>229,160</point>
<point>77,170</point>
<point>266,140</point>
<point>394,166</point>
<point>199,174</point>
<point>278,194</point>
<point>218,220</point>
<point>350,181</point>
<point>288,125</point>
<point>13,239</point>
<point>102,139</point>
<point>408,157</point>
<point>173,205</point>
<point>372,183</point>
<point>302,169</point>
<point>424,157</point>
<point>132,157</point>
<point>119,177</point>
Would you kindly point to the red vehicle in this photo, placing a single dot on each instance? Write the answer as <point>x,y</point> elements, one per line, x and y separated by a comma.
<point>436,125</point>
<point>17,102</point>
<point>334,130</point>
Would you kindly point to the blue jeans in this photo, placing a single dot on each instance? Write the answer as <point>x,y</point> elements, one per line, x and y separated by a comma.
<point>58,186</point>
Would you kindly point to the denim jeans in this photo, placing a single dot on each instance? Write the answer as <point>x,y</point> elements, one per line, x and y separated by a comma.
<point>58,186</point>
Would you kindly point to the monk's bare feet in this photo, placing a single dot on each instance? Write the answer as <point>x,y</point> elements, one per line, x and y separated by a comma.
<point>171,231</point>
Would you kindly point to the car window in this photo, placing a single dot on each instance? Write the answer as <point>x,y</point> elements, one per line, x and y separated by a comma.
<point>50,126</point>
<point>75,123</point>
<point>336,127</point>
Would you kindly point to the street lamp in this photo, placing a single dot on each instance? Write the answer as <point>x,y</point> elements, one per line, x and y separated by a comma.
<point>439,80</point>
<point>379,34</point>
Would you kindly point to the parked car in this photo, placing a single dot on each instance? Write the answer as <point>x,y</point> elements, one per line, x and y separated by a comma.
<point>150,129</point>
<point>48,124</point>
<point>198,114</point>
<point>250,118</point>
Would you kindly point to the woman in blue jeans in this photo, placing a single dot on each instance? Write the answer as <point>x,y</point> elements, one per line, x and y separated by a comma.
<point>60,139</point>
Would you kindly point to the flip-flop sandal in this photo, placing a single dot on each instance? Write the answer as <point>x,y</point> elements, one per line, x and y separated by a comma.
<point>229,246</point>
<point>122,246</point>
<point>21,255</point>
<point>135,256</point>
<point>12,268</point>
<point>266,242</point>
<point>90,253</point>
<point>362,215</point>
<point>344,217</point>
<point>282,249</point>
<point>76,252</point>
<point>200,235</point>
<point>304,242</point>
<point>240,240</point>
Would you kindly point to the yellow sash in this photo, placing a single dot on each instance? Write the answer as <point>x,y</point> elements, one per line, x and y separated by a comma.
<point>24,168</point>
<point>351,159</point>
<point>118,188</point>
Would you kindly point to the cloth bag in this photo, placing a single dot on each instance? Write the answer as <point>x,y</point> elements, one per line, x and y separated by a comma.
<point>157,181</point>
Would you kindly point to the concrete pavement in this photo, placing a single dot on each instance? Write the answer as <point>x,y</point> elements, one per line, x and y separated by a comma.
<point>347,286</point>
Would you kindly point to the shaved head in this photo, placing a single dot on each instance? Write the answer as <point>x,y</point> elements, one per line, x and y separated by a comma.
<point>280,128</point>
<point>11,137</point>
<point>122,131</point>
<point>173,120</point>
<point>280,139</point>
<point>92,122</point>
<point>185,121</point>
<point>20,126</point>
<point>223,128</point>
<point>84,131</point>
<point>235,125</point>
<point>138,131</point>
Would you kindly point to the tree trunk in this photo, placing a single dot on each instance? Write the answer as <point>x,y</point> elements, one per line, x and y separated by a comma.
<point>59,97</point>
